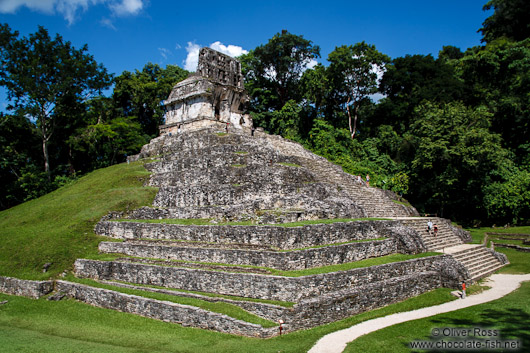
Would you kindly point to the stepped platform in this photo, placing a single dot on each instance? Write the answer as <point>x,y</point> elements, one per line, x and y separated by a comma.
<point>305,274</point>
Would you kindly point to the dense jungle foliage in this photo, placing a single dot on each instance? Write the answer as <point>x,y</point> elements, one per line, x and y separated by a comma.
<point>450,134</point>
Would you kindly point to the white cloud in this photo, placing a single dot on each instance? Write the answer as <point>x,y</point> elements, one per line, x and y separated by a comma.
<point>106,22</point>
<point>69,9</point>
<point>164,52</point>
<point>311,64</point>
<point>232,50</point>
<point>193,49</point>
<point>192,59</point>
<point>127,7</point>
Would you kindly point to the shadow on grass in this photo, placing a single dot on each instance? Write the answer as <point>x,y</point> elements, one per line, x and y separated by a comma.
<point>509,323</point>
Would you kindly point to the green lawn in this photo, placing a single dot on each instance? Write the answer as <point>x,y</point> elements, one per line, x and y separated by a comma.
<point>510,315</point>
<point>59,227</point>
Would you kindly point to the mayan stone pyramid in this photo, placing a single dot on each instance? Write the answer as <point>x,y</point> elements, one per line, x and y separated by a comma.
<point>209,163</point>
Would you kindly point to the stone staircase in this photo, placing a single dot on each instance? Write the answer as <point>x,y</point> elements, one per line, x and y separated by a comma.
<point>478,260</point>
<point>375,202</point>
<point>444,238</point>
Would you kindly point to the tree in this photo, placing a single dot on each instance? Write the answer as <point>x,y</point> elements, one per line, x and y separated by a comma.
<point>47,77</point>
<point>410,80</point>
<point>140,94</point>
<point>455,156</point>
<point>273,72</point>
<point>497,75</point>
<point>19,158</point>
<point>510,19</point>
<point>354,71</point>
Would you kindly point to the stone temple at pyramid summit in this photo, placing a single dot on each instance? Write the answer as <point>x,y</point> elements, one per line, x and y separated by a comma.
<point>214,94</point>
<point>258,221</point>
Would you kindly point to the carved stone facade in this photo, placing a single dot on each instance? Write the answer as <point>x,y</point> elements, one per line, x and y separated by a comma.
<point>213,96</point>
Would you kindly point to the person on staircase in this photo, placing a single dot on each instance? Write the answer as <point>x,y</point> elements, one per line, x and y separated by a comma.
<point>435,227</point>
<point>429,226</point>
<point>367,180</point>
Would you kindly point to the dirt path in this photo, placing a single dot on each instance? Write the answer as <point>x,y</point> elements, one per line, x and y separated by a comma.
<point>500,286</point>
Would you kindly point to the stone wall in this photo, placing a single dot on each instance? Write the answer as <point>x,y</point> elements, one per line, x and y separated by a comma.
<point>351,301</point>
<point>25,288</point>
<point>267,311</point>
<point>162,310</point>
<point>273,236</point>
<point>289,260</point>
<point>265,286</point>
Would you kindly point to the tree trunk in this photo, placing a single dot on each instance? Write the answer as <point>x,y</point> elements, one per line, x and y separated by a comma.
<point>46,157</point>
<point>355,110</point>
<point>46,134</point>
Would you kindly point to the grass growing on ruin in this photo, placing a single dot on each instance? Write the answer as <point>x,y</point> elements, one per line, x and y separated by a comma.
<point>353,265</point>
<point>210,222</point>
<point>69,326</point>
<point>58,228</point>
<point>270,271</point>
<point>217,307</point>
<point>215,295</point>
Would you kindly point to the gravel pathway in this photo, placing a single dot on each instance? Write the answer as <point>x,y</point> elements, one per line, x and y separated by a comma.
<point>500,284</point>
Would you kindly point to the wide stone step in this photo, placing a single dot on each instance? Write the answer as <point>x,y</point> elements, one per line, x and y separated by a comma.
<point>289,260</point>
<point>485,271</point>
<point>208,195</point>
<point>185,315</point>
<point>265,235</point>
<point>480,265</point>
<point>252,285</point>
<point>472,253</point>
<point>234,175</point>
<point>478,260</point>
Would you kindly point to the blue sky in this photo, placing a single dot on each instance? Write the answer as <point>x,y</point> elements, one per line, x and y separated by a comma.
<point>126,34</point>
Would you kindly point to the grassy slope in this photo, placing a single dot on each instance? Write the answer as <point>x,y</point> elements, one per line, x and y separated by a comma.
<point>59,227</point>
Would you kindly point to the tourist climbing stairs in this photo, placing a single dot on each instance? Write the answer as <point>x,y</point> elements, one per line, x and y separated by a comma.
<point>442,239</point>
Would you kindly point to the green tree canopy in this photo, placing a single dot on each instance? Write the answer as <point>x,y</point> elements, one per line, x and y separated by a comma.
<point>510,19</point>
<point>273,71</point>
<point>139,94</point>
<point>407,82</point>
<point>454,156</point>
<point>47,77</point>
<point>354,72</point>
